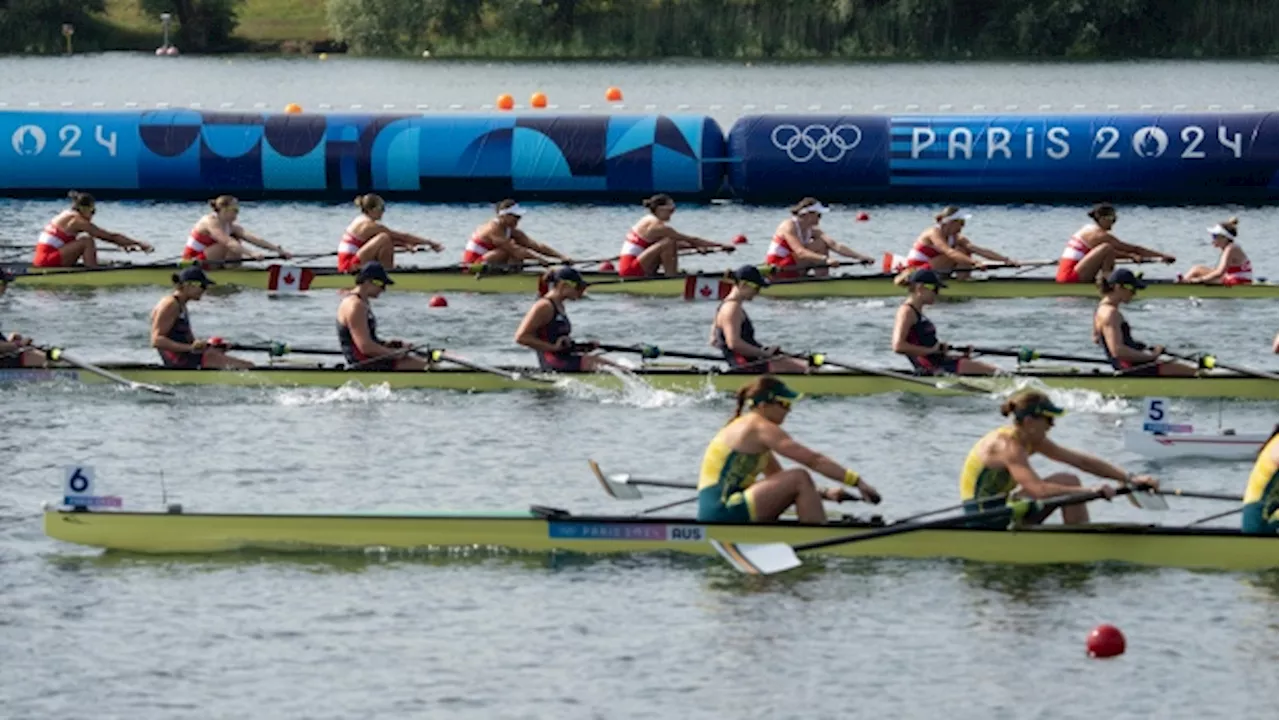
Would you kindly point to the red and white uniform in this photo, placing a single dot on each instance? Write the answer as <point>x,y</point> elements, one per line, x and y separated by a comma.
<point>922,252</point>
<point>199,242</point>
<point>779,254</point>
<point>348,249</point>
<point>477,246</point>
<point>628,260</point>
<point>1241,274</point>
<point>1072,254</point>
<point>48,246</point>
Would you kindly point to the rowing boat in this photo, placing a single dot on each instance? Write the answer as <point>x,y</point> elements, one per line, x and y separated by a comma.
<point>546,529</point>
<point>690,287</point>
<point>1213,385</point>
<point>1222,446</point>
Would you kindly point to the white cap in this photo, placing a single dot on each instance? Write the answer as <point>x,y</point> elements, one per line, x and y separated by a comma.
<point>815,208</point>
<point>513,210</point>
<point>1219,230</point>
<point>957,215</point>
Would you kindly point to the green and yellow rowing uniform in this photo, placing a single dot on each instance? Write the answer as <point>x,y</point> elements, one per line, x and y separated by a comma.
<point>1261,497</point>
<point>726,474</point>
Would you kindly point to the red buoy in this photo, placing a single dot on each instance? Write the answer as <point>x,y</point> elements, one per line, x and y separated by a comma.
<point>1105,641</point>
<point>438,301</point>
<point>740,240</point>
<point>863,216</point>
<point>606,266</point>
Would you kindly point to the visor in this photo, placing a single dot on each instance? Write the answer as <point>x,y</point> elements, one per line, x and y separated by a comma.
<point>513,210</point>
<point>1041,409</point>
<point>815,208</point>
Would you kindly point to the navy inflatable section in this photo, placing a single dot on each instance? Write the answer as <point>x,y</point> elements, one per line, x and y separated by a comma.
<point>193,154</point>
<point>1224,157</point>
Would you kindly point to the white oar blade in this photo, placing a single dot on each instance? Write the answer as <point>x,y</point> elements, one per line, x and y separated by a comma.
<point>621,488</point>
<point>153,389</point>
<point>758,559</point>
<point>1148,500</point>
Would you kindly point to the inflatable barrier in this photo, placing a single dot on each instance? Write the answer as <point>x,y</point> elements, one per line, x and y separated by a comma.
<point>187,153</point>
<point>1224,157</point>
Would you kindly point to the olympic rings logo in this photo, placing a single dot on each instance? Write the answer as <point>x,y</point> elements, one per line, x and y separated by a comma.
<point>803,145</point>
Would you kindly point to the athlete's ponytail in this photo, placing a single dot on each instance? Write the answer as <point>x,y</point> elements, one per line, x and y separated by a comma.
<point>546,282</point>
<point>368,203</point>
<point>764,386</point>
<point>657,201</point>
<point>1105,285</point>
<point>222,202</point>
<point>80,199</point>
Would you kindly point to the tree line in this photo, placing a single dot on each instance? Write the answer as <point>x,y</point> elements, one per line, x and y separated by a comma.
<point>782,29</point>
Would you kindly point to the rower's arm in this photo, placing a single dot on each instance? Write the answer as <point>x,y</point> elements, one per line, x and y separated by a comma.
<point>1015,460</point>
<point>537,318</point>
<point>802,253</point>
<point>688,241</point>
<point>240,233</point>
<point>515,249</point>
<point>1115,341</point>
<point>984,252</point>
<point>358,325</point>
<point>404,239</point>
<point>733,338</point>
<point>1220,270</point>
<point>902,326</point>
<point>1136,252</point>
<point>1082,461</point>
<point>542,249</point>
<point>777,440</point>
<point>123,241</point>
<point>162,321</point>
<point>842,249</point>
<point>954,253</point>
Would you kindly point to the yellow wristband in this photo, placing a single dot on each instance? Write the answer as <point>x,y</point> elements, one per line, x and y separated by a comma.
<point>851,478</point>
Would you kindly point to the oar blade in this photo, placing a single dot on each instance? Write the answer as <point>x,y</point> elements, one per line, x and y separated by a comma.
<point>758,559</point>
<point>153,389</point>
<point>616,486</point>
<point>1147,500</point>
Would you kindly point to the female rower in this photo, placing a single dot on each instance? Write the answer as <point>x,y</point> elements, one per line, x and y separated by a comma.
<point>728,490</point>
<point>1112,332</point>
<point>546,328</point>
<point>366,239</point>
<point>1234,267</point>
<point>735,336</point>
<point>216,238</point>
<point>944,249</point>
<point>171,333</point>
<point>1093,250</point>
<point>500,242</point>
<point>358,328</point>
<point>799,241</point>
<point>652,241</point>
<point>1261,499</point>
<point>915,336</point>
<point>999,464</point>
<point>15,350</point>
<point>69,236</point>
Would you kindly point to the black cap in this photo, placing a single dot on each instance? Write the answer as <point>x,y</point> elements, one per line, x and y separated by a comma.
<point>1125,276</point>
<point>926,276</point>
<point>751,274</point>
<point>195,274</point>
<point>567,274</point>
<point>374,271</point>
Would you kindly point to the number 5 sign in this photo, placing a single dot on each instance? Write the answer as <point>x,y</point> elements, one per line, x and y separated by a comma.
<point>78,480</point>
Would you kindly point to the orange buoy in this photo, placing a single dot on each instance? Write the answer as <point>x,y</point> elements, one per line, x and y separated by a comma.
<point>613,94</point>
<point>1105,641</point>
<point>437,301</point>
<point>538,100</point>
<point>506,102</point>
<point>863,216</point>
<point>293,108</point>
<point>740,240</point>
<point>606,266</point>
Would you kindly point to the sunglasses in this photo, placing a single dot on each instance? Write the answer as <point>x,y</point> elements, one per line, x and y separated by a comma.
<point>931,286</point>
<point>379,283</point>
<point>784,403</point>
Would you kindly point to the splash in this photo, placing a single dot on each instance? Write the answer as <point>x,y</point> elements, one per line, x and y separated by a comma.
<point>352,393</point>
<point>635,392</point>
<point>1076,400</point>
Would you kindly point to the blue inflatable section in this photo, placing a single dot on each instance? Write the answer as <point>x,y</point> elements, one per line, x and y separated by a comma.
<point>1225,157</point>
<point>1229,157</point>
<point>188,153</point>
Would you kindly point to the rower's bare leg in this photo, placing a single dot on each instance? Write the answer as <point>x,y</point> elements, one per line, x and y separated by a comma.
<point>787,365</point>
<point>216,359</point>
<point>661,253</point>
<point>595,363</point>
<point>773,495</point>
<point>82,249</point>
<point>33,358</point>
<point>497,256</point>
<point>1196,272</point>
<point>411,363</point>
<point>1176,369</point>
<point>380,248</point>
<point>968,366</point>
<point>1071,514</point>
<point>1101,259</point>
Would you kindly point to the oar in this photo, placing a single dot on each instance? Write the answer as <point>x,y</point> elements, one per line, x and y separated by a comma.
<point>57,354</point>
<point>770,558</point>
<point>1201,495</point>
<point>388,356</point>
<point>1026,354</point>
<point>819,359</point>
<point>1215,516</point>
<point>1209,362</point>
<point>277,349</point>
<point>653,352</point>
<point>441,355</point>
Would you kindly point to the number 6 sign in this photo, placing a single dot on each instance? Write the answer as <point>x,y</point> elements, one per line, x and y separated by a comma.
<point>78,480</point>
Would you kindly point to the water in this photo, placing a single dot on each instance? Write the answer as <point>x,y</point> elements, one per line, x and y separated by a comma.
<point>519,636</point>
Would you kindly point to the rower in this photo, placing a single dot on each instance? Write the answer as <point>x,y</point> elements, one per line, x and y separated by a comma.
<point>500,242</point>
<point>1093,250</point>
<point>1000,464</point>
<point>1261,505</point>
<point>171,333</point>
<point>652,241</point>
<point>916,337</point>
<point>1233,268</point>
<point>799,241</point>
<point>69,236</point>
<point>547,331</point>
<point>735,336</point>
<point>366,239</point>
<point>1112,332</point>
<point>15,350</point>
<point>216,238</point>
<point>944,249</point>
<point>728,490</point>
<point>358,328</point>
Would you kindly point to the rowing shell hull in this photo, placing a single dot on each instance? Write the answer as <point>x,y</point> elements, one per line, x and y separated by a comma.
<point>824,383</point>
<point>527,284</point>
<point>179,533</point>
<point>1218,447</point>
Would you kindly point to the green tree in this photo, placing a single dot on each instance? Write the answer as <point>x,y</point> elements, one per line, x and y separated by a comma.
<point>35,26</point>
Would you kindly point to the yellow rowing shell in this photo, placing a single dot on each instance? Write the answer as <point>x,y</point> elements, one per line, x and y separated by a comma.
<point>689,287</point>
<point>1215,385</point>
<point>545,530</point>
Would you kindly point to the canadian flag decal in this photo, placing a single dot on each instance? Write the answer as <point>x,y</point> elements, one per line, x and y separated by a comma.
<point>893,263</point>
<point>697,287</point>
<point>288,279</point>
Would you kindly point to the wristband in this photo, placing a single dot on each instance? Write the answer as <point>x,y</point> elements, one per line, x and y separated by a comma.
<point>851,478</point>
